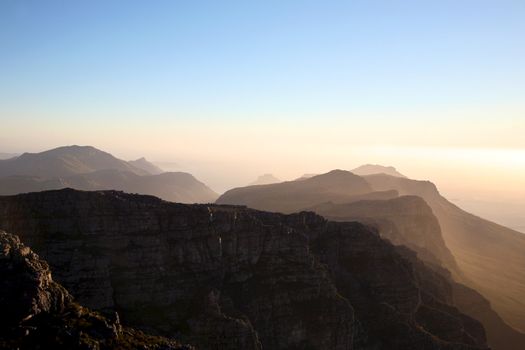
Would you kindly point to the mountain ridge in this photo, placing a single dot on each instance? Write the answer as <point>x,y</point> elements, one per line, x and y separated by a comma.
<point>290,281</point>
<point>87,168</point>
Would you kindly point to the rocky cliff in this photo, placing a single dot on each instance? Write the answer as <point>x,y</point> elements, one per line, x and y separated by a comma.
<point>234,278</point>
<point>491,256</point>
<point>38,313</point>
<point>405,220</point>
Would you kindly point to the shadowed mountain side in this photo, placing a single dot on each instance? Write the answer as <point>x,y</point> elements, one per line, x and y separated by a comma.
<point>406,220</point>
<point>369,169</point>
<point>149,167</point>
<point>292,196</point>
<point>491,256</point>
<point>38,313</point>
<point>65,161</point>
<point>409,221</point>
<point>175,187</point>
<point>229,277</point>
<point>500,336</point>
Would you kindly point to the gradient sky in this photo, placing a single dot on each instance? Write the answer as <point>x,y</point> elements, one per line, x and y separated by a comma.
<point>232,89</point>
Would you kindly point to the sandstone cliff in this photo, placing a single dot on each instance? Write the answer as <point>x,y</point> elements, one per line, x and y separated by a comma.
<point>234,278</point>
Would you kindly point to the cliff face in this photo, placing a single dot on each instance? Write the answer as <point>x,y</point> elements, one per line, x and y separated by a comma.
<point>38,313</point>
<point>491,256</point>
<point>406,220</point>
<point>236,278</point>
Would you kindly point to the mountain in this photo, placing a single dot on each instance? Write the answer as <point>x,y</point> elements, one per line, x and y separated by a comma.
<point>87,168</point>
<point>369,169</point>
<point>174,187</point>
<point>265,180</point>
<point>416,220</point>
<point>291,196</point>
<point>227,277</point>
<point>491,256</point>
<point>38,313</point>
<point>149,167</point>
<point>305,176</point>
<point>8,155</point>
<point>65,161</point>
<point>406,220</point>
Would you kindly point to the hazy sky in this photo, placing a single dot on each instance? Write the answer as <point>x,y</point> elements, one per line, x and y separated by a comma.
<point>232,89</point>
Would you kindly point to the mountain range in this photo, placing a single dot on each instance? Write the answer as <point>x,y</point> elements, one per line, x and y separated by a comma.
<point>389,262</point>
<point>87,168</point>
<point>229,277</point>
<point>265,179</point>
<point>483,255</point>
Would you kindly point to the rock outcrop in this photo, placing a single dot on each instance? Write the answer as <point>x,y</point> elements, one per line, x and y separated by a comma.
<point>38,313</point>
<point>235,278</point>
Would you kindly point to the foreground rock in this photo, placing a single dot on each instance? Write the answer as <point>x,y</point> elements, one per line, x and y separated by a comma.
<point>38,313</point>
<point>234,278</point>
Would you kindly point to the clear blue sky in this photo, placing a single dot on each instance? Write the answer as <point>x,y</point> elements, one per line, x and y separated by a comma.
<point>233,89</point>
<point>247,59</point>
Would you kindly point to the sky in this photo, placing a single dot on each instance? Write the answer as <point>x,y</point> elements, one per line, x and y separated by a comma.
<point>232,89</point>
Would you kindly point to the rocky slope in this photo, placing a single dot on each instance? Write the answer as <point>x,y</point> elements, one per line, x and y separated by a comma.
<point>38,313</point>
<point>410,221</point>
<point>491,256</point>
<point>405,220</point>
<point>235,278</point>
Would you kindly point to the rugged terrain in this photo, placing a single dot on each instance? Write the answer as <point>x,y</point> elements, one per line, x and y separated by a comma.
<point>38,313</point>
<point>491,256</point>
<point>408,220</point>
<point>237,278</point>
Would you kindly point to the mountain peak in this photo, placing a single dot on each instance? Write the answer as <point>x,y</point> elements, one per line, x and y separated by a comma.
<point>265,179</point>
<point>147,166</point>
<point>65,161</point>
<point>370,169</point>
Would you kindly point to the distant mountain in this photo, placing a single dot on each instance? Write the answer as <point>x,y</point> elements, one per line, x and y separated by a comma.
<point>410,221</point>
<point>175,187</point>
<point>143,164</point>
<point>265,179</point>
<point>87,168</point>
<point>292,196</point>
<point>369,169</point>
<point>491,256</point>
<point>65,161</point>
<point>305,176</point>
<point>8,155</point>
